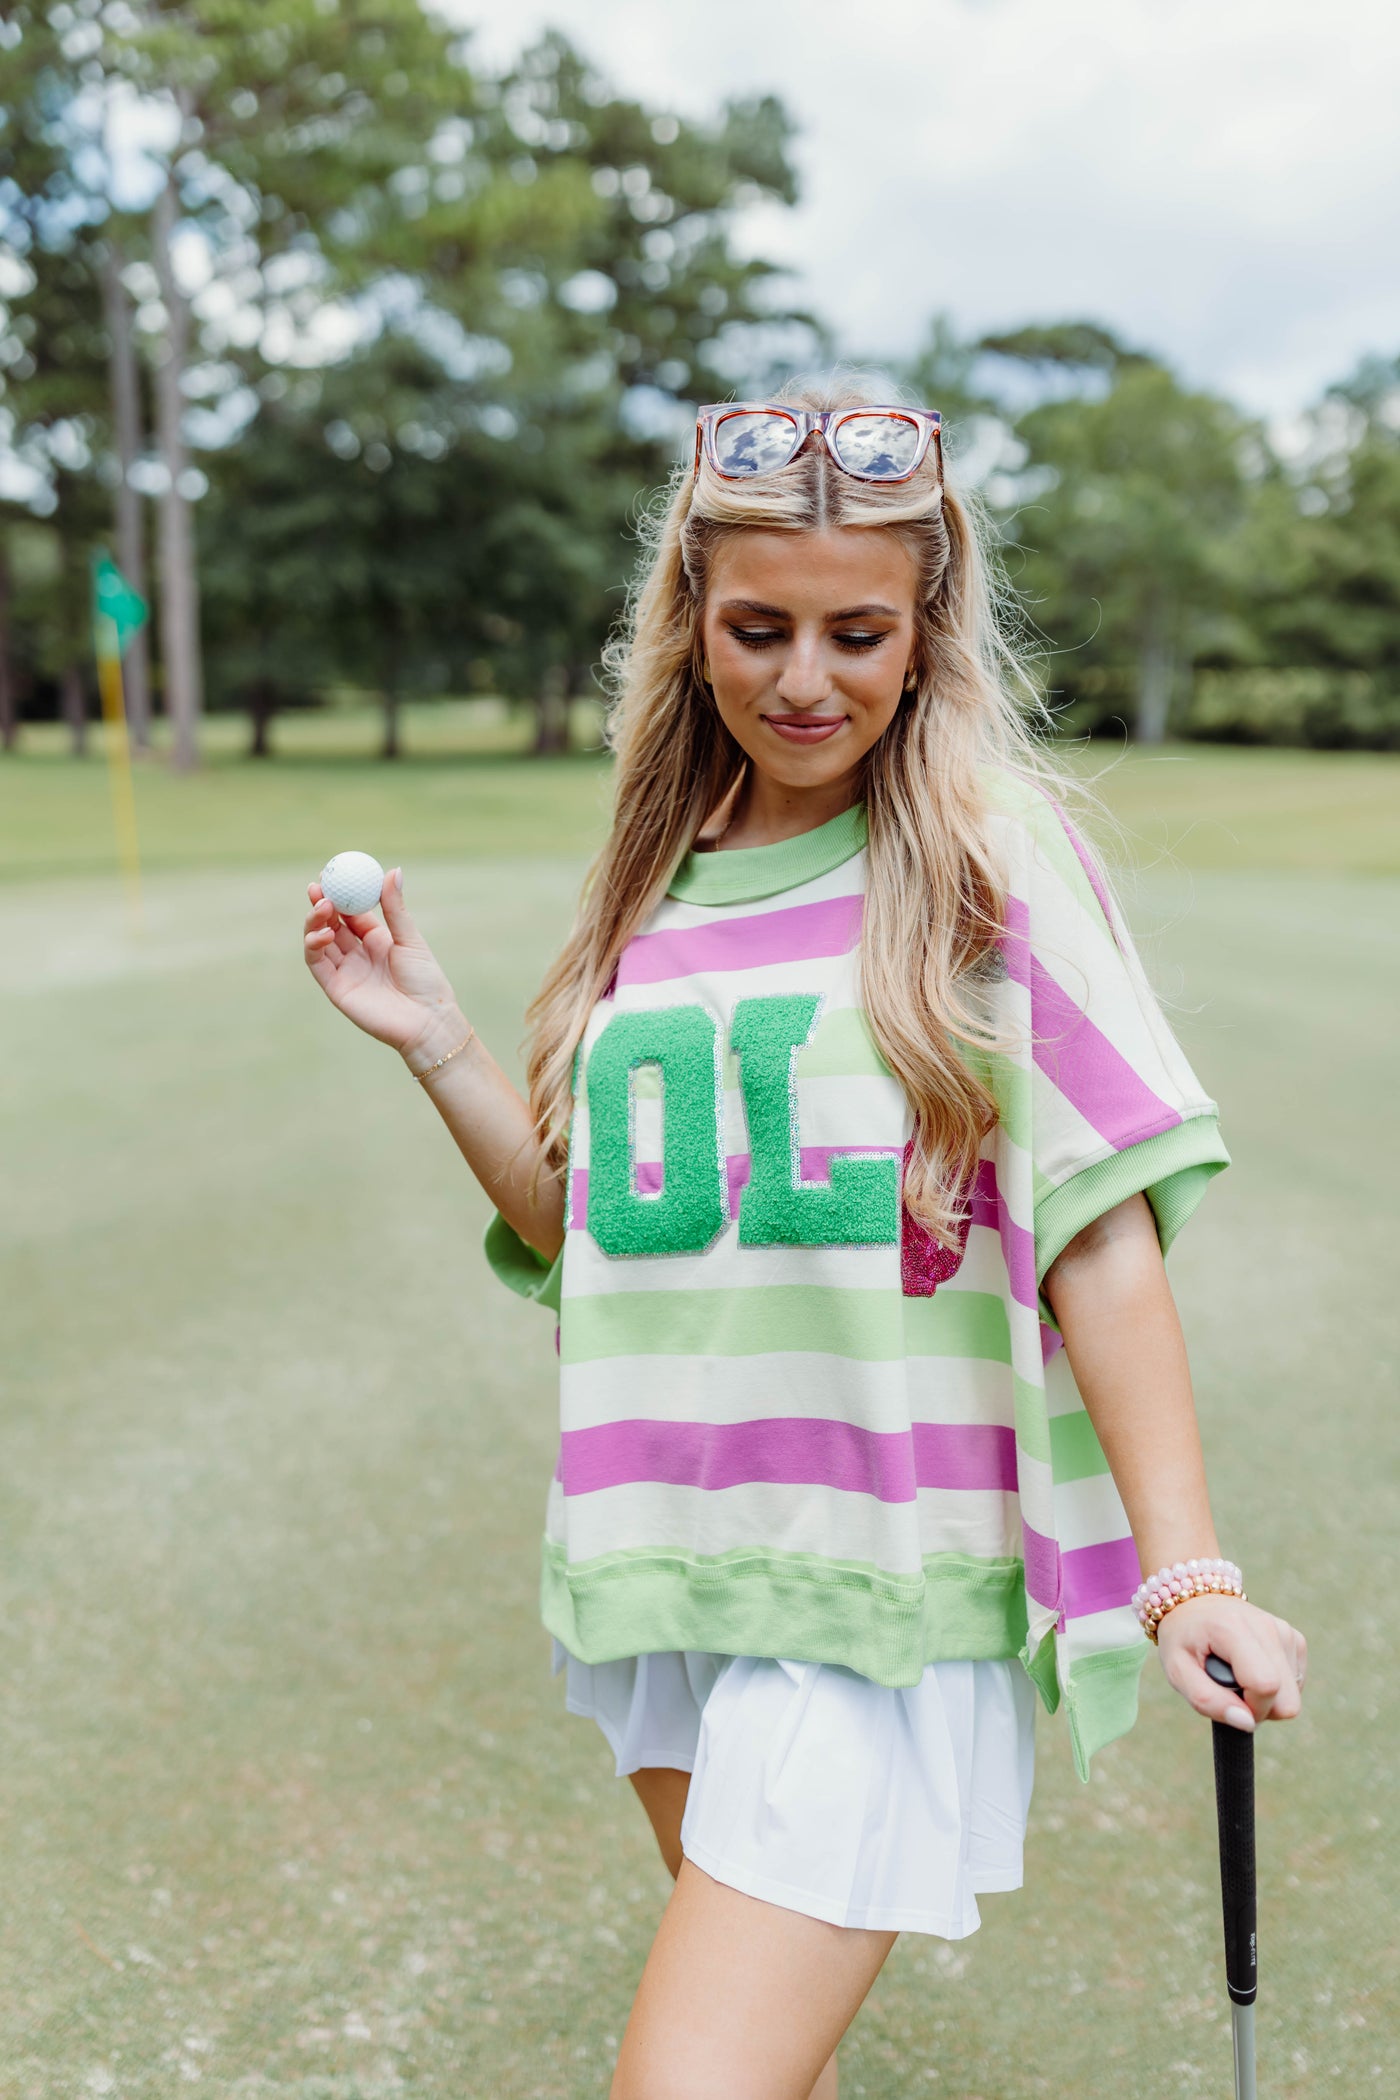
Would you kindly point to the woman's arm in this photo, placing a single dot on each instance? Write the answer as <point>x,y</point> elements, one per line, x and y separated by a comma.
<point>386,979</point>
<point>1109,1292</point>
<point>493,1128</point>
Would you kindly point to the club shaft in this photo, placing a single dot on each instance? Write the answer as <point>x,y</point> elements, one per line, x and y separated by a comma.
<point>1242,2032</point>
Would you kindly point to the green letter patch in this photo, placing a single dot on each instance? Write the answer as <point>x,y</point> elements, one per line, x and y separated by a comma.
<point>683,1042</point>
<point>859,1205</point>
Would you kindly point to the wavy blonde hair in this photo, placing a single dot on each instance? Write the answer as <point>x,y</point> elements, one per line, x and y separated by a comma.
<point>934,897</point>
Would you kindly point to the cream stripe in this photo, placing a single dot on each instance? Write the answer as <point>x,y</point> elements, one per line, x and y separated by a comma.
<point>880,1396</point>
<point>830,1522</point>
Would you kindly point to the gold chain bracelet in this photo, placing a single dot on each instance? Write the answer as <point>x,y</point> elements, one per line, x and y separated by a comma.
<point>421,1076</point>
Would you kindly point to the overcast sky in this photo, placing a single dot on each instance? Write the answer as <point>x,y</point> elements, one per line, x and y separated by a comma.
<point>1218,180</point>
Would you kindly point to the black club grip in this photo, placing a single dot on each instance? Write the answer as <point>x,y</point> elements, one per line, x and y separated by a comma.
<point>1234,1809</point>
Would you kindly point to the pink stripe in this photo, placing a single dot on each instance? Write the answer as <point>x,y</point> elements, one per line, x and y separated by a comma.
<point>1042,1558</point>
<point>1096,1578</point>
<point>1086,862</point>
<point>1080,1060</point>
<point>816,1166</point>
<point>1017,1243</point>
<point>790,1451</point>
<point>799,934</point>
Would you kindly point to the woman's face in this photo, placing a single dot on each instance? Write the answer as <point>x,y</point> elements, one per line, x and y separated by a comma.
<point>809,638</point>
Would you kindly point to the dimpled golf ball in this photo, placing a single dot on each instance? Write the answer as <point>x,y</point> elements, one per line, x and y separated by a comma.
<point>352,881</point>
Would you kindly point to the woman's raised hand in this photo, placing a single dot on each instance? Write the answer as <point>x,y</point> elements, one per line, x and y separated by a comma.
<point>383,976</point>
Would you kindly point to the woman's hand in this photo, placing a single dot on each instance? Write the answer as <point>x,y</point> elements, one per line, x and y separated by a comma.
<point>1268,1656</point>
<point>384,977</point>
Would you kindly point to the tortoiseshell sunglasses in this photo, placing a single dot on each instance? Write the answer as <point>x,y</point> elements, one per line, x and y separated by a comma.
<point>744,438</point>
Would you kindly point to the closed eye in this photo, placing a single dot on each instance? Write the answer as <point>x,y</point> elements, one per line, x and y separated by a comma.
<point>764,637</point>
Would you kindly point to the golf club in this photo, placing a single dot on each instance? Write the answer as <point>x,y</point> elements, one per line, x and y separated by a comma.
<point>1234,1809</point>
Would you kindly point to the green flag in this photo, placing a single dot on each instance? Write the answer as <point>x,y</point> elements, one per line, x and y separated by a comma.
<point>117,610</point>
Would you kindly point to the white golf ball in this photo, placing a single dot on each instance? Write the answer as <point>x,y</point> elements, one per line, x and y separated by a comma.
<point>352,881</point>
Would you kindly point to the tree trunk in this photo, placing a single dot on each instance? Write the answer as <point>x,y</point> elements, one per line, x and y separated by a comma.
<point>179,585</point>
<point>126,422</point>
<point>552,713</point>
<point>72,700</point>
<point>1156,675</point>
<point>262,706</point>
<point>9,711</point>
<point>391,746</point>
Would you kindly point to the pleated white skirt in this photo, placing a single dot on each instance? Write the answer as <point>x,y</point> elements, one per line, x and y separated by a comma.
<point>816,1789</point>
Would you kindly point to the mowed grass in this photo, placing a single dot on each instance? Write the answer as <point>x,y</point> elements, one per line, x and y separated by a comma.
<point>290,1801</point>
<point>463,789</point>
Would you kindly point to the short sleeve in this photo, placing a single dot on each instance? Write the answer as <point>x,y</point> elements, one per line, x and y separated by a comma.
<point>521,1267</point>
<point>1116,1108</point>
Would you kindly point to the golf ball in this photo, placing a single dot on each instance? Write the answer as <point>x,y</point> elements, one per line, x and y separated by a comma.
<point>352,881</point>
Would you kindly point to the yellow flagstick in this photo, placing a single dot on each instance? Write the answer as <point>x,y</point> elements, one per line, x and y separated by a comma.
<point>117,612</point>
<point>109,684</point>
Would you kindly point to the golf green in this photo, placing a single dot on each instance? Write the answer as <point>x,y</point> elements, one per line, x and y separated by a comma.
<point>291,1804</point>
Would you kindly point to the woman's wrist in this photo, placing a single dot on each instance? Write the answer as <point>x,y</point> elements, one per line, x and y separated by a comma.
<point>1175,1586</point>
<point>442,1031</point>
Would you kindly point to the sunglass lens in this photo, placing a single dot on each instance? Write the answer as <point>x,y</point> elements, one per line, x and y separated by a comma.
<point>754,442</point>
<point>883,448</point>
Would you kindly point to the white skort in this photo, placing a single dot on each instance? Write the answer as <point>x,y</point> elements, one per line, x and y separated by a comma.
<point>814,1788</point>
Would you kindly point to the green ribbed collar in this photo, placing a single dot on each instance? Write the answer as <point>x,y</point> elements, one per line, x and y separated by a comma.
<point>747,872</point>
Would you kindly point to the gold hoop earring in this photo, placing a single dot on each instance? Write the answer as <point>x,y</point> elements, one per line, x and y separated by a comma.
<point>705,672</point>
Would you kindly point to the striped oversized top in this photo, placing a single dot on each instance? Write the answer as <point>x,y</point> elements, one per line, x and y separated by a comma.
<point>792,1424</point>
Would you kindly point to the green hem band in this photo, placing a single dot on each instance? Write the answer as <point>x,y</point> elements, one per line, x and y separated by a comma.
<point>749,872</point>
<point>793,1605</point>
<point>1170,1169</point>
<point>1102,1699</point>
<point>521,1267</point>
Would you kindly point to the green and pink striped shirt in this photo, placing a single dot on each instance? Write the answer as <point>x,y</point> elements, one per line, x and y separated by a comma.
<point>791,1423</point>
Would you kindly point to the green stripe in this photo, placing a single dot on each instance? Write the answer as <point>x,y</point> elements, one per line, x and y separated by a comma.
<point>1010,1086</point>
<point>800,1605</point>
<point>1032,1423</point>
<point>873,1326</point>
<point>842,1047</point>
<point>1075,1450</point>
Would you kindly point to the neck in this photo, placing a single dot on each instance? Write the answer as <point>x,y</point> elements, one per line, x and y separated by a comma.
<point>765,811</point>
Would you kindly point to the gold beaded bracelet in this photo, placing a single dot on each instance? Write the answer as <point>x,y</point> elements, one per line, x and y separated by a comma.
<point>421,1076</point>
<point>1156,1594</point>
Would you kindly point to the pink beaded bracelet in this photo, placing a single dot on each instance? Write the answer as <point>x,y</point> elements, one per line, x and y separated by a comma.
<point>1154,1597</point>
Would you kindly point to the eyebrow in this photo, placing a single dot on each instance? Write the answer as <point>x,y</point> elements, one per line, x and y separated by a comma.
<point>778,612</point>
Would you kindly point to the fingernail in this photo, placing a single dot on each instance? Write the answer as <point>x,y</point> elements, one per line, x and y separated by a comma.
<point>1239,1717</point>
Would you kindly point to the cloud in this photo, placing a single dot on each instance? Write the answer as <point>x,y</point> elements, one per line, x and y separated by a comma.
<point>1220,183</point>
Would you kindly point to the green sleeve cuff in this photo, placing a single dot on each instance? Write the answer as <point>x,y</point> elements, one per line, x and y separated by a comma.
<point>520,1267</point>
<point>1171,1170</point>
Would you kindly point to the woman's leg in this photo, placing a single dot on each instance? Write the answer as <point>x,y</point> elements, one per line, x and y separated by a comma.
<point>738,1997</point>
<point>662,1792</point>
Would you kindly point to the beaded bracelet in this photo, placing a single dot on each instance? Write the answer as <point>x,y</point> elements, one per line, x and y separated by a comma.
<point>1155,1596</point>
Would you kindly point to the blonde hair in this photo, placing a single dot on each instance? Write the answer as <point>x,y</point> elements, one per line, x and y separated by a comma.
<point>934,898</point>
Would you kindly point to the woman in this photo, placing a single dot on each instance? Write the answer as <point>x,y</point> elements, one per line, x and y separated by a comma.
<point>854,1144</point>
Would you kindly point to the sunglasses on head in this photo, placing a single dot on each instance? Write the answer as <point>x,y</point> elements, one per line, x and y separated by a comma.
<point>741,439</point>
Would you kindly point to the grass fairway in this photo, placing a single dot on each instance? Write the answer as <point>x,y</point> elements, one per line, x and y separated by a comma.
<point>291,1805</point>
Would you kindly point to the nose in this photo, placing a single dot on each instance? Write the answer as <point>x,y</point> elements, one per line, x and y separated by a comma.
<point>804,680</point>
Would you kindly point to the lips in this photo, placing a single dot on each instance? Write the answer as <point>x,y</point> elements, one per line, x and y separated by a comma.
<point>805,729</point>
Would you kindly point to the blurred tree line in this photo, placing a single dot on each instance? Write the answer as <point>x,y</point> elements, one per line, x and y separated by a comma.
<point>359,356</point>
